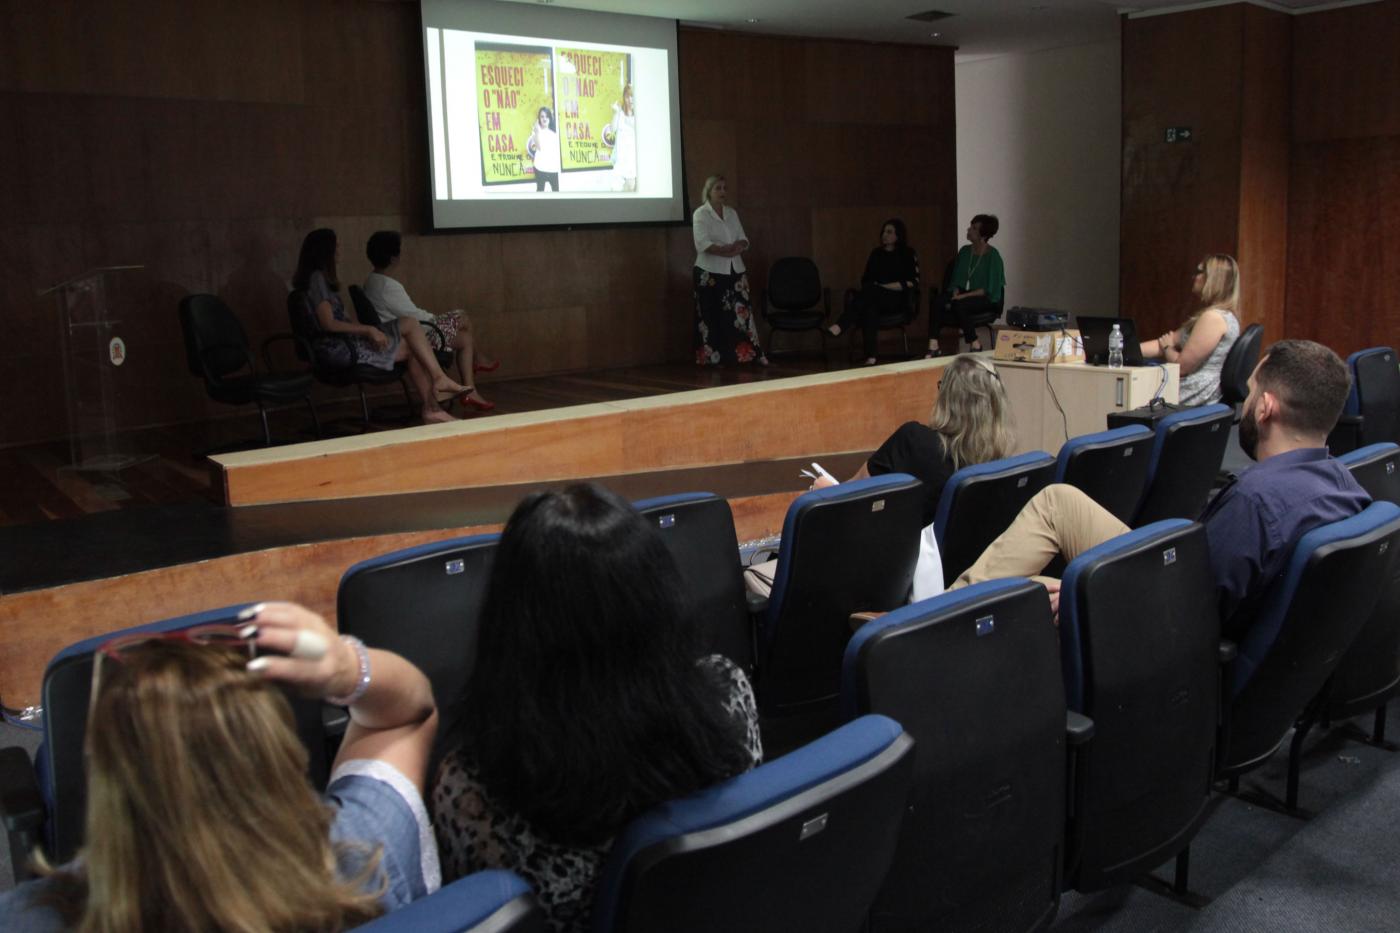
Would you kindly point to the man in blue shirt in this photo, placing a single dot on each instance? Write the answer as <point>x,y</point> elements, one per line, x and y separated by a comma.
<point>1296,394</point>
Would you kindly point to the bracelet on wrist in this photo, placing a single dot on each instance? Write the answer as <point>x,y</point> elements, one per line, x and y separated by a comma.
<point>362,682</point>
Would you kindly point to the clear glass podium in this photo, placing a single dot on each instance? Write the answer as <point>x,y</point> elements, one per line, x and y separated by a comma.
<point>94,381</point>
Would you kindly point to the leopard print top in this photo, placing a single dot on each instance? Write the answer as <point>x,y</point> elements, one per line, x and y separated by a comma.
<point>475,832</point>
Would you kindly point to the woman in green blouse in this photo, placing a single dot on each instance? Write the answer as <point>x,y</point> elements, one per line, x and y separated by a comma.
<point>978,282</point>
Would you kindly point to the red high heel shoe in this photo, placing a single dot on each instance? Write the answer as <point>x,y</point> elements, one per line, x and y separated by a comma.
<point>479,368</point>
<point>478,404</point>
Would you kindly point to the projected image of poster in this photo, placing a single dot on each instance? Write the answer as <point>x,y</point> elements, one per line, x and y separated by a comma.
<point>590,89</point>
<point>514,84</point>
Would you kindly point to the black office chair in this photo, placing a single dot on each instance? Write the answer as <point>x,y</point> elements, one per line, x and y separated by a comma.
<point>352,373</point>
<point>1239,366</point>
<point>973,676</point>
<point>888,319</point>
<point>795,299</point>
<point>698,529</point>
<point>1110,467</point>
<point>1139,647</point>
<point>1276,679</point>
<point>979,502</point>
<point>485,902</point>
<point>216,350</point>
<point>1186,455</point>
<point>798,844</point>
<point>846,548</point>
<point>423,603</point>
<point>47,803</point>
<point>1368,675</point>
<point>1372,411</point>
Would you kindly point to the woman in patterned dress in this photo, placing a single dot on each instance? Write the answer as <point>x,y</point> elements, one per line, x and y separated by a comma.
<point>724,324</point>
<point>591,702</point>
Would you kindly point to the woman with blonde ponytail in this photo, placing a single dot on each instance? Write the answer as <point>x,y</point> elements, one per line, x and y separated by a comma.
<point>199,812</point>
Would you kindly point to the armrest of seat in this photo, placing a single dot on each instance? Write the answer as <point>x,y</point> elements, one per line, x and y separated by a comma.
<point>826,300</point>
<point>22,806</point>
<point>757,604</point>
<point>303,349</point>
<point>1079,728</point>
<point>1079,732</point>
<point>1228,651</point>
<point>440,341</point>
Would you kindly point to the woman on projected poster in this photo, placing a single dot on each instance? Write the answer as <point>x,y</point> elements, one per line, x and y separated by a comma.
<point>543,147</point>
<point>621,135</point>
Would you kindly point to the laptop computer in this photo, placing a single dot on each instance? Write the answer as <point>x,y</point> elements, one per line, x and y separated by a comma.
<point>1094,332</point>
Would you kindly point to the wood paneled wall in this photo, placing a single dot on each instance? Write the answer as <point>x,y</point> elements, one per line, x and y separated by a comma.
<point>1295,168</point>
<point>204,140</point>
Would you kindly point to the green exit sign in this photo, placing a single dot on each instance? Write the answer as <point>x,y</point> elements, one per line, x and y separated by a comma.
<point>1178,134</point>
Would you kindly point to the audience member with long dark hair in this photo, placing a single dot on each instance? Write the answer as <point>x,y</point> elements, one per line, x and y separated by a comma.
<point>381,346</point>
<point>590,702</point>
<point>891,273</point>
<point>199,812</point>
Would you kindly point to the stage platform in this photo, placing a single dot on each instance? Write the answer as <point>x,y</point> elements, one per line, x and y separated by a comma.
<point>297,516</point>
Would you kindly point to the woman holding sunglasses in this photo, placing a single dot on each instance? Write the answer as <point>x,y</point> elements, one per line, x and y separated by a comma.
<point>199,812</point>
<point>1200,345</point>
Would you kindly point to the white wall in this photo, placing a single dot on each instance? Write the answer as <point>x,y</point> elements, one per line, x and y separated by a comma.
<point>1039,146</point>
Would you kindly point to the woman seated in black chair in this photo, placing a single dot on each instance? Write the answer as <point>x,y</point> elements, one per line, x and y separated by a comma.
<point>199,812</point>
<point>380,347</point>
<point>977,285</point>
<point>970,424</point>
<point>891,277</point>
<point>590,705</point>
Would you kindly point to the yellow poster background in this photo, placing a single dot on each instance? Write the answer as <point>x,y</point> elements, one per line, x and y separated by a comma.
<point>586,94</point>
<point>512,84</point>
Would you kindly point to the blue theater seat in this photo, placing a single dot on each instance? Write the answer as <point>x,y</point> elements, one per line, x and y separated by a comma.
<point>1110,467</point>
<point>1139,647</point>
<point>974,677</point>
<point>979,502</point>
<point>1372,411</point>
<point>486,902</point>
<point>1186,455</point>
<point>798,844</point>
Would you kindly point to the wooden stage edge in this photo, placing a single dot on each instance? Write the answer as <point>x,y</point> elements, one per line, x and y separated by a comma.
<point>770,420</point>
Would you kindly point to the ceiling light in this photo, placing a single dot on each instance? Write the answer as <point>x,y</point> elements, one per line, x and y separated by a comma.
<point>755,19</point>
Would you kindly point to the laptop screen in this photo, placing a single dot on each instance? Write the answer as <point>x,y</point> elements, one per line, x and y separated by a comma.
<point>1095,330</point>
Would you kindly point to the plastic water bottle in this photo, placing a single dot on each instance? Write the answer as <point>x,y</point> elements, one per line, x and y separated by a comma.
<point>1115,348</point>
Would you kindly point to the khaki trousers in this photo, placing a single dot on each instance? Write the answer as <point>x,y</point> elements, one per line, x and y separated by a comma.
<point>1059,520</point>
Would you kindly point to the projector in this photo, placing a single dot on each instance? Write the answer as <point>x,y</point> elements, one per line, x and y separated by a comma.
<point>1037,319</point>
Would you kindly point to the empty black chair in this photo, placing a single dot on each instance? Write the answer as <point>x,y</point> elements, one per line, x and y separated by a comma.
<point>846,548</point>
<point>57,778</point>
<point>1139,647</point>
<point>698,529</point>
<point>216,350</point>
<point>1309,617</point>
<point>979,502</point>
<point>485,902</point>
<point>1239,366</point>
<point>797,845</point>
<point>889,319</point>
<point>973,676</point>
<point>1368,675</point>
<point>1110,467</point>
<point>795,299</point>
<point>354,373</point>
<point>423,603</point>
<point>1186,455</point>
<point>1372,411</point>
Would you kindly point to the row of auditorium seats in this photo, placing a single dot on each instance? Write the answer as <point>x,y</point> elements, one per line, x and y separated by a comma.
<point>984,764</point>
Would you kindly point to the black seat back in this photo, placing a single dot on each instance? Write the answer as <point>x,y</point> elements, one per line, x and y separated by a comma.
<point>1376,386</point>
<point>698,529</point>
<point>794,284</point>
<point>1110,467</point>
<point>364,308</point>
<point>1186,457</point>
<point>845,548</point>
<point>974,678</point>
<point>215,343</point>
<point>1139,643</point>
<point>423,603</point>
<point>1239,365</point>
<point>979,502</point>
<point>1310,616</point>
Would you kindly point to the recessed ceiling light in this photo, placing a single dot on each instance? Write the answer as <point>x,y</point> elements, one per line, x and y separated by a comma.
<point>755,19</point>
<point>935,35</point>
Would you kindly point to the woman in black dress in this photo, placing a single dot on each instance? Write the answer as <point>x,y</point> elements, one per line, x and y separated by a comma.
<point>891,274</point>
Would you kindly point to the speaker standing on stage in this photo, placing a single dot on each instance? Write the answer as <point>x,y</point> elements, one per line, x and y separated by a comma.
<point>725,331</point>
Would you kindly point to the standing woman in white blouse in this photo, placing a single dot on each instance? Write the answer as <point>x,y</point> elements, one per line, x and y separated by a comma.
<point>725,331</point>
